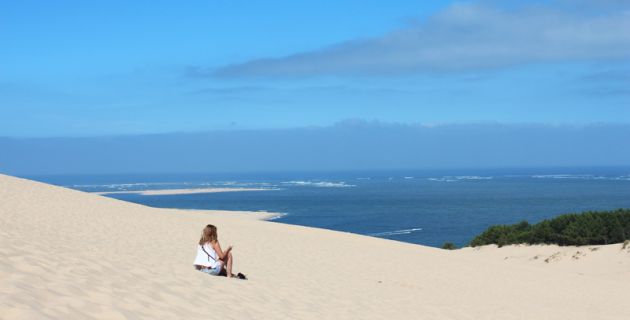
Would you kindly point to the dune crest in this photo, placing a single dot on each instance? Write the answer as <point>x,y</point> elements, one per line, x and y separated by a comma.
<point>67,254</point>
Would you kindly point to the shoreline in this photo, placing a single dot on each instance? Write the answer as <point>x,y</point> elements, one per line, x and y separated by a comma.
<point>253,215</point>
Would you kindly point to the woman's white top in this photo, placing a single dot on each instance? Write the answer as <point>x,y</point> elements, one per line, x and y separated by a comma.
<point>206,256</point>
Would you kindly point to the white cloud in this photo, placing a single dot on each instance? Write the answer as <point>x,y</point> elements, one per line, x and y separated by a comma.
<point>466,37</point>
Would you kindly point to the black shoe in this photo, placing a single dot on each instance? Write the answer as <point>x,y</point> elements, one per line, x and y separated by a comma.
<point>241,276</point>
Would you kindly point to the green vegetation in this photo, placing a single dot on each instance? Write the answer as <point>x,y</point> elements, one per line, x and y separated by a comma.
<point>449,246</point>
<point>588,228</point>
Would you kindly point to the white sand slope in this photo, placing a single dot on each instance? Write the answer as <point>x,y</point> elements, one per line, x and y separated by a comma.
<point>66,254</point>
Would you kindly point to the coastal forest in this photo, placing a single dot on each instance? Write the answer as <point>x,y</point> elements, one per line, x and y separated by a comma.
<point>574,229</point>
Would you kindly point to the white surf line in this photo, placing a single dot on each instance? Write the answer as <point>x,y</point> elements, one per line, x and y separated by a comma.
<point>395,232</point>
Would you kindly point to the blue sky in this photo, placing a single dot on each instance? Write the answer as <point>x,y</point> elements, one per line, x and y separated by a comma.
<point>82,68</point>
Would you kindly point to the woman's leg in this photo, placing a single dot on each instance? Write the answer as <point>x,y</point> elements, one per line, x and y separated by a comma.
<point>228,264</point>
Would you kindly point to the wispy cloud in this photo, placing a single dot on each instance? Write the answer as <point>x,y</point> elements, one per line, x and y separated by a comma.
<point>617,75</point>
<point>606,83</point>
<point>608,91</point>
<point>464,37</point>
<point>231,90</point>
<point>323,89</point>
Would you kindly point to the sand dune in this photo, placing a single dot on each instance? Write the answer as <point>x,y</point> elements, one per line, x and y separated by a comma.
<point>66,254</point>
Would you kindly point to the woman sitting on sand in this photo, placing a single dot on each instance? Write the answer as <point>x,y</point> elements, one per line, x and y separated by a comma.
<point>210,258</point>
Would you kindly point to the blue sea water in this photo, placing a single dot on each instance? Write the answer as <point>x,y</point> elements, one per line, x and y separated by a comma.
<point>422,207</point>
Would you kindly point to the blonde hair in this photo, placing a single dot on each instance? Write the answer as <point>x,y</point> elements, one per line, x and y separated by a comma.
<point>209,234</point>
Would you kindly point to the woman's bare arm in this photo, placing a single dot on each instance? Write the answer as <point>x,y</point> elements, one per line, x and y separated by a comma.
<point>222,254</point>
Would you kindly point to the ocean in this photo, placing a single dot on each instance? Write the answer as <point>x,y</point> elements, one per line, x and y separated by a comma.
<point>428,207</point>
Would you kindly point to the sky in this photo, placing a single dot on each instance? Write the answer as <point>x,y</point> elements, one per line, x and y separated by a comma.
<point>346,146</point>
<point>85,69</point>
<point>79,68</point>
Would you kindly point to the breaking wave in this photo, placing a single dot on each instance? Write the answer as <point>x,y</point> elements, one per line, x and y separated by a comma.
<point>394,233</point>
<point>318,184</point>
<point>581,177</point>
<point>459,178</point>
